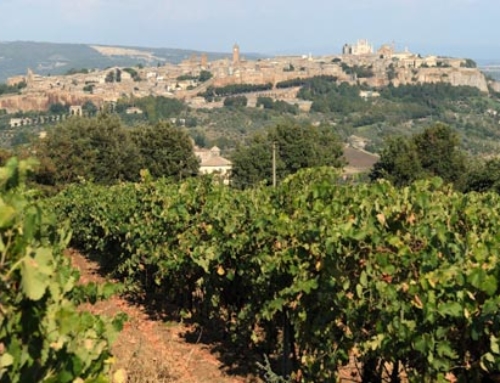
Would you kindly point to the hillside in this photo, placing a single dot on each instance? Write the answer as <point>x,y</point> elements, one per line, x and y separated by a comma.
<point>50,58</point>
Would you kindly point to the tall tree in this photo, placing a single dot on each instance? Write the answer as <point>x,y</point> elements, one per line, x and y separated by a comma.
<point>399,162</point>
<point>434,152</point>
<point>297,147</point>
<point>439,153</point>
<point>165,151</point>
<point>484,177</point>
<point>97,149</point>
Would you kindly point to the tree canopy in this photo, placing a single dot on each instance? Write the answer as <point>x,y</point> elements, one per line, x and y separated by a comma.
<point>434,152</point>
<point>102,150</point>
<point>165,151</point>
<point>297,147</point>
<point>484,177</point>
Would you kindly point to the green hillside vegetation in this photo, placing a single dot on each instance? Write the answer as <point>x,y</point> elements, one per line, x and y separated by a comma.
<point>408,109</point>
<point>17,57</point>
<point>404,110</point>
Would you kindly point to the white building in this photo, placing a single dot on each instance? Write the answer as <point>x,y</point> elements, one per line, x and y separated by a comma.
<point>211,162</point>
<point>362,47</point>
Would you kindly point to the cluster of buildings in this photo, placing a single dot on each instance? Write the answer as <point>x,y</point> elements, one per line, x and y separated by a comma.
<point>182,81</point>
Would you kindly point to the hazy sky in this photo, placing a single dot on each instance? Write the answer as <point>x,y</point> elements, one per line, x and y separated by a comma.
<point>454,27</point>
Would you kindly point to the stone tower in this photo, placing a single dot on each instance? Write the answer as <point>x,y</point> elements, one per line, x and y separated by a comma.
<point>204,61</point>
<point>30,76</point>
<point>236,54</point>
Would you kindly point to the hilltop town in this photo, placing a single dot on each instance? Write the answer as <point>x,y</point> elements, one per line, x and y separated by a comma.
<point>359,63</point>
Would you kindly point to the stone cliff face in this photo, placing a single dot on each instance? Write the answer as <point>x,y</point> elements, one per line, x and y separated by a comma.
<point>41,102</point>
<point>454,76</point>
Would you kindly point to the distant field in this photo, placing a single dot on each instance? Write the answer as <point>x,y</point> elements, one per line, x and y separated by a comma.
<point>358,160</point>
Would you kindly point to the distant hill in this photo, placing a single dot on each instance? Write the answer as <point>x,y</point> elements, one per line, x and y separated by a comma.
<point>490,68</point>
<point>49,58</point>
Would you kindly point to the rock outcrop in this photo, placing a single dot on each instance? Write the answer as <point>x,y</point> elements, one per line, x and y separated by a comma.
<point>454,76</point>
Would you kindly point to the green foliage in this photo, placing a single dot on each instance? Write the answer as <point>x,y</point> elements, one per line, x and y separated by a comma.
<point>399,162</point>
<point>110,77</point>
<point>159,108</point>
<point>6,89</point>
<point>185,77</point>
<point>432,94</point>
<point>43,336</point>
<point>328,96</point>
<point>165,151</point>
<point>328,270</point>
<point>278,105</point>
<point>233,89</point>
<point>89,108</point>
<point>359,71</point>
<point>205,75</point>
<point>484,177</point>
<point>114,75</point>
<point>73,71</point>
<point>58,108</point>
<point>434,152</point>
<point>265,102</point>
<point>391,72</point>
<point>101,149</point>
<point>89,88</point>
<point>437,148</point>
<point>469,63</point>
<point>133,73</point>
<point>297,147</point>
<point>87,148</point>
<point>304,81</point>
<point>236,101</point>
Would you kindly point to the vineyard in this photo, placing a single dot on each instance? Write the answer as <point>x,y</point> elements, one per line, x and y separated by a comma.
<point>314,273</point>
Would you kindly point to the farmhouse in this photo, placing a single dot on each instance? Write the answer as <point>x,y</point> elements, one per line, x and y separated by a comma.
<point>211,162</point>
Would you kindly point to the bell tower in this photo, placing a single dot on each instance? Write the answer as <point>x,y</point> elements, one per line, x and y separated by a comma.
<point>236,54</point>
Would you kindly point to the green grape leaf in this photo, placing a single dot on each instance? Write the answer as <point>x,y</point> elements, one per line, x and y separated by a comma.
<point>33,282</point>
<point>6,360</point>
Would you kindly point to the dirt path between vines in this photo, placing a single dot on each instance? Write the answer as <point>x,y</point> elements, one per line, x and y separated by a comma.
<point>154,351</point>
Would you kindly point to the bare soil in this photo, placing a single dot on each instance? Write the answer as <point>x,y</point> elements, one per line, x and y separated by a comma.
<point>151,350</point>
<point>359,159</point>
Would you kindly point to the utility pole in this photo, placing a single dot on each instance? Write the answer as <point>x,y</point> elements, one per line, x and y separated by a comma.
<point>274,164</point>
